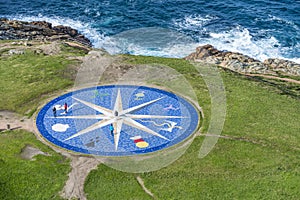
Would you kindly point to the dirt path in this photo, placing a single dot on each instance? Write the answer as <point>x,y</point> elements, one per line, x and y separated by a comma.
<point>232,138</point>
<point>141,182</point>
<point>81,165</point>
<point>275,77</point>
<point>15,121</point>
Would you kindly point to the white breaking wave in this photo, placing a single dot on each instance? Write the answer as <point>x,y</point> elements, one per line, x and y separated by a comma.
<point>92,34</point>
<point>144,41</point>
<point>174,51</point>
<point>280,21</point>
<point>152,41</point>
<point>193,22</point>
<point>168,43</point>
<point>240,40</point>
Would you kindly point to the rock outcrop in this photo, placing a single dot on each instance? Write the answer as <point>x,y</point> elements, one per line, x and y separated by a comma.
<point>280,65</point>
<point>242,63</point>
<point>39,30</point>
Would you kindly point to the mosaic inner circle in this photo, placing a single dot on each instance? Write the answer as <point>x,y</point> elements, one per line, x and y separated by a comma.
<point>117,120</point>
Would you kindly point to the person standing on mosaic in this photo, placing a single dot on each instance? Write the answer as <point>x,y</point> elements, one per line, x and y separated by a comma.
<point>111,128</point>
<point>54,111</point>
<point>66,107</point>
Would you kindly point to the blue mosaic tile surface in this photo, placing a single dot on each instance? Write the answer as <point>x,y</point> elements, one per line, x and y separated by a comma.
<point>133,140</point>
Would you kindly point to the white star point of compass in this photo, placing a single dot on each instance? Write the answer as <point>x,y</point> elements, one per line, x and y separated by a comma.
<point>118,117</point>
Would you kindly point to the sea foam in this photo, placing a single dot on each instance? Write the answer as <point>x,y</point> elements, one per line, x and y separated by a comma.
<point>164,42</point>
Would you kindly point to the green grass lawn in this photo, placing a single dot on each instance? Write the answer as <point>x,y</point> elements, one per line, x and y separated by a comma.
<point>26,79</point>
<point>261,112</point>
<point>264,163</point>
<point>189,72</point>
<point>233,170</point>
<point>41,178</point>
<point>266,168</point>
<point>107,183</point>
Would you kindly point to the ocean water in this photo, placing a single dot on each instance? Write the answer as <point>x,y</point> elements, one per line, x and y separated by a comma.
<point>174,28</point>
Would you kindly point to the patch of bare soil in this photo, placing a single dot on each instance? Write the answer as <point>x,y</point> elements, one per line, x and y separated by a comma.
<point>51,49</point>
<point>78,46</point>
<point>12,121</point>
<point>28,152</point>
<point>81,167</point>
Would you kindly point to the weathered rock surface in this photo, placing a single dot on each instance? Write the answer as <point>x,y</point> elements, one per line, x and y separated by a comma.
<point>242,63</point>
<point>44,31</point>
<point>39,30</point>
<point>284,66</point>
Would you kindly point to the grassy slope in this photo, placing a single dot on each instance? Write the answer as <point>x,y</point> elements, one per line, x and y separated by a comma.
<point>266,169</point>
<point>261,112</point>
<point>235,169</point>
<point>24,78</point>
<point>188,71</point>
<point>106,183</point>
<point>41,178</point>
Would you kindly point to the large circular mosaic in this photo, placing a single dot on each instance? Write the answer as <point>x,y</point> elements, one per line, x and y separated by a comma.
<point>117,120</point>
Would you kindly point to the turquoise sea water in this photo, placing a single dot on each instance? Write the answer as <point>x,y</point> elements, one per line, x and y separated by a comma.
<point>174,28</point>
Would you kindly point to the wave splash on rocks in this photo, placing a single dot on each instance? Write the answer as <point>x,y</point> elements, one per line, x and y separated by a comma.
<point>242,63</point>
<point>39,30</point>
<point>42,30</point>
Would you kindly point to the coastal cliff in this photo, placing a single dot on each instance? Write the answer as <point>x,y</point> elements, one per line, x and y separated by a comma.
<point>44,31</point>
<point>39,30</point>
<point>262,116</point>
<point>242,63</point>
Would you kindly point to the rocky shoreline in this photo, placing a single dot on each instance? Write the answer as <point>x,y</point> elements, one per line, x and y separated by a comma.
<point>39,30</point>
<point>242,63</point>
<point>44,31</point>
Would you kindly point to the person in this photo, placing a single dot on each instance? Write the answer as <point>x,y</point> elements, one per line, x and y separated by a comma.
<point>54,111</point>
<point>111,128</point>
<point>66,107</point>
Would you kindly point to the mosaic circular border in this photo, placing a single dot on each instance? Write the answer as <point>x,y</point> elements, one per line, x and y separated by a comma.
<point>154,104</point>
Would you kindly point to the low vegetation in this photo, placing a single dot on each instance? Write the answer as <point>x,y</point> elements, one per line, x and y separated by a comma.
<point>27,78</point>
<point>40,178</point>
<point>258,159</point>
<point>106,183</point>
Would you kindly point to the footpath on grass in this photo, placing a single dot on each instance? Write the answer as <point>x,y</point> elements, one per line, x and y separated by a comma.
<point>81,166</point>
<point>275,77</point>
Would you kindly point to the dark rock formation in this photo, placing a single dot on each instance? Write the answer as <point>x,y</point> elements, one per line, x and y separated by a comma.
<point>39,30</point>
<point>242,63</point>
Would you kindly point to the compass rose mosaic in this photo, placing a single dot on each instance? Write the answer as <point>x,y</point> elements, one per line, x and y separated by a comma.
<point>117,120</point>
